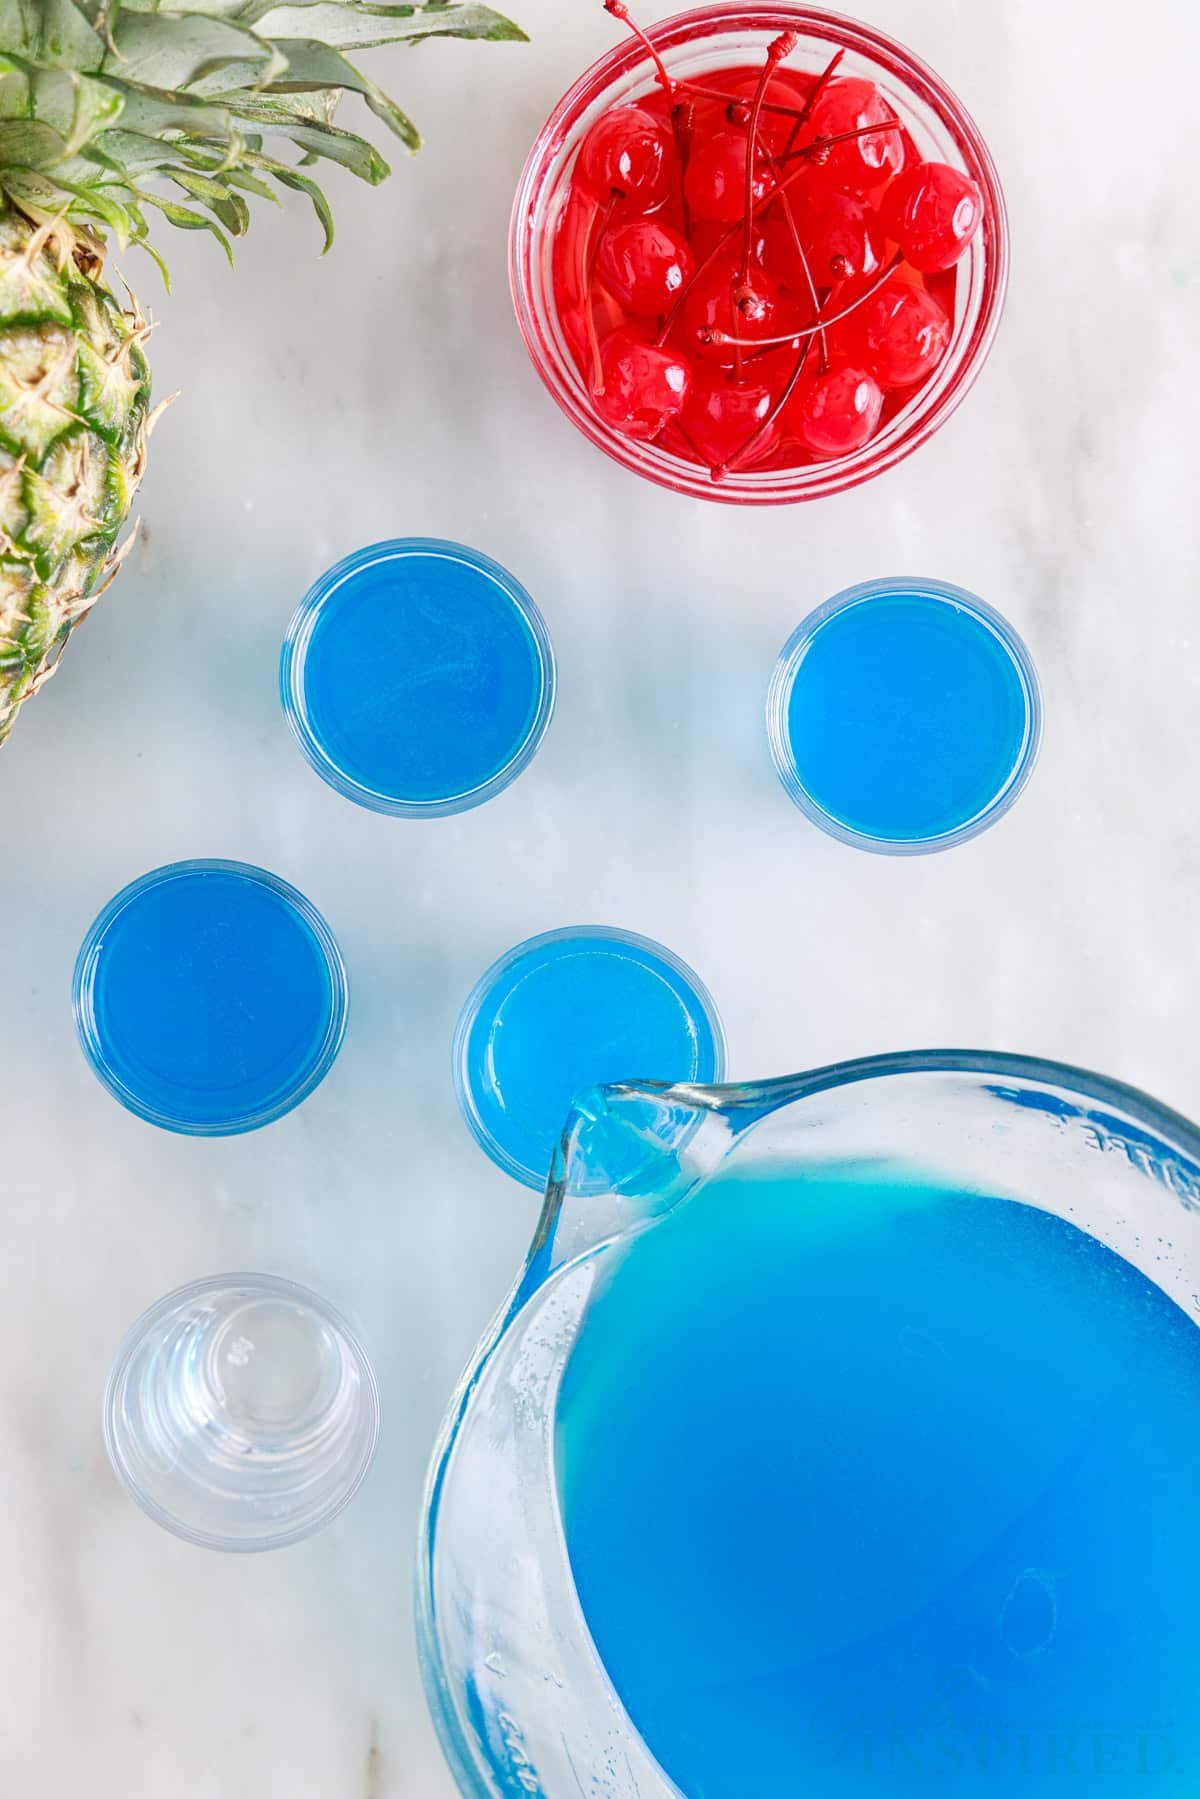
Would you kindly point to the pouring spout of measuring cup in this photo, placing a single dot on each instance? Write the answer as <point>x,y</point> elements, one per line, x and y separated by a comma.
<point>632,1151</point>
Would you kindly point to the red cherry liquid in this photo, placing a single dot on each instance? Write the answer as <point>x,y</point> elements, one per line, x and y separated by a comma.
<point>696,333</point>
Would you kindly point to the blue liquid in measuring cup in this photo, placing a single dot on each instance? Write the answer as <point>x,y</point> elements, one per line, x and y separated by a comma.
<point>568,1011</point>
<point>418,675</point>
<point>210,998</point>
<point>906,717</point>
<point>873,1488</point>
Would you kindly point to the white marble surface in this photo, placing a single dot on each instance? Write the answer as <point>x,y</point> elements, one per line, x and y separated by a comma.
<point>384,391</point>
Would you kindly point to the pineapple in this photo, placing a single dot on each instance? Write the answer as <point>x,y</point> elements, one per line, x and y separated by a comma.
<point>113,112</point>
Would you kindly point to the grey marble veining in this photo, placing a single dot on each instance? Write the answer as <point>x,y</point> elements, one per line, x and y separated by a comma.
<point>384,391</point>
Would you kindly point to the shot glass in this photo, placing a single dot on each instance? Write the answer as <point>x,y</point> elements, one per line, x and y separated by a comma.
<point>418,678</point>
<point>567,1011</point>
<point>210,997</point>
<point>241,1412</point>
<point>904,716</point>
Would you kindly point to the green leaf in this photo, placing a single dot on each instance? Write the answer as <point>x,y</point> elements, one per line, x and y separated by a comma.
<point>200,187</point>
<point>312,66</point>
<point>208,9</point>
<point>97,106</point>
<point>36,193</point>
<point>143,243</point>
<point>98,204</point>
<point>239,177</point>
<point>491,27</point>
<point>165,50</point>
<point>53,33</point>
<point>186,218</point>
<point>16,90</point>
<point>233,213</point>
<point>28,144</point>
<point>103,101</point>
<point>350,25</point>
<point>158,114</point>
<point>344,147</point>
<point>230,208</point>
<point>75,106</point>
<point>308,106</point>
<point>133,153</point>
<point>289,177</point>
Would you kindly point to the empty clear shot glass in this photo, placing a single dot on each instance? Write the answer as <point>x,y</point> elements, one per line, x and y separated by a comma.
<point>241,1412</point>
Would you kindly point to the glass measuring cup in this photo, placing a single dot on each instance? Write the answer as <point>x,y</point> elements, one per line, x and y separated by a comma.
<point>522,1698</point>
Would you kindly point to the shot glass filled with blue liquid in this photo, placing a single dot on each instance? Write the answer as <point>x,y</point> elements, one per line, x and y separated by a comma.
<point>210,997</point>
<point>565,1012</point>
<point>904,716</point>
<point>418,677</point>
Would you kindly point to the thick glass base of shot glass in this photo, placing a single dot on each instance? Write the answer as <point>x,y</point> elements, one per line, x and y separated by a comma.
<point>241,1412</point>
<point>210,997</point>
<point>565,1012</point>
<point>418,677</point>
<point>904,715</point>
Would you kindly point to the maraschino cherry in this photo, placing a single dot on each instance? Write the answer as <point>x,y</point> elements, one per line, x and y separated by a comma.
<point>642,387</point>
<point>838,412</point>
<point>715,184</point>
<point>867,154</point>
<point>628,154</point>
<point>725,309</point>
<point>902,334</point>
<point>933,211</point>
<point>843,238</point>
<point>722,416</point>
<point>646,265</point>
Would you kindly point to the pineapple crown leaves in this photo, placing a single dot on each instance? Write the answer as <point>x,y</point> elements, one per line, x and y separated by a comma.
<point>102,102</point>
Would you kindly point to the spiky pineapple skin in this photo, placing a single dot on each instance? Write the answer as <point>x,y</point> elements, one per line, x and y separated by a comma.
<point>74,419</point>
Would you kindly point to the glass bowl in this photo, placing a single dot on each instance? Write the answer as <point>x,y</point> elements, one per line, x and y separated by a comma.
<point>694,44</point>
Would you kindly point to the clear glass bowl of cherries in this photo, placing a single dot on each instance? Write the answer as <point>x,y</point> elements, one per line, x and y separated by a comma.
<point>759,253</point>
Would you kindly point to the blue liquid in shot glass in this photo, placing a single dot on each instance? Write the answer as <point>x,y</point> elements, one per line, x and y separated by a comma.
<point>907,715</point>
<point>418,676</point>
<point>877,1488</point>
<point>210,998</point>
<point>565,1012</point>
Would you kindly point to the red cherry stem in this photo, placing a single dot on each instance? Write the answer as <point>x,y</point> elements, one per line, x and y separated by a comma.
<point>820,145</point>
<point>785,201</point>
<point>701,268</point>
<point>721,469</point>
<point>716,93</point>
<point>806,111</point>
<point>690,441</point>
<point>778,50</point>
<point>619,10</point>
<point>683,123</point>
<point>769,199</point>
<point>588,255</point>
<point>714,334</point>
<point>706,263</point>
